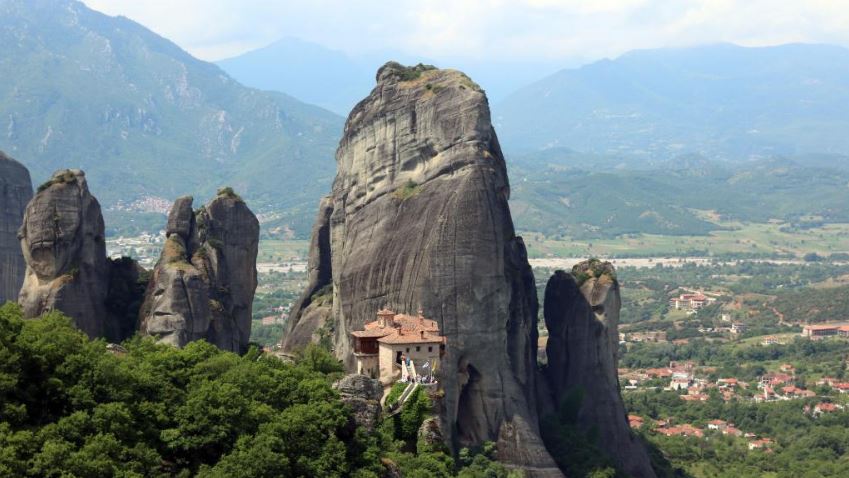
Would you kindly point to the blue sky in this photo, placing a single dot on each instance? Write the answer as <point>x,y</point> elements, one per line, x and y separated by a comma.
<point>568,31</point>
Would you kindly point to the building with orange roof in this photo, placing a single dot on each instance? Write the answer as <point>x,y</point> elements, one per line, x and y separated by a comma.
<point>761,444</point>
<point>826,407</point>
<point>685,430</point>
<point>818,331</point>
<point>635,421</point>
<point>383,345</point>
<point>691,302</point>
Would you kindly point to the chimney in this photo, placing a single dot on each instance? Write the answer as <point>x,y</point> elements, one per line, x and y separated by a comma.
<point>422,334</point>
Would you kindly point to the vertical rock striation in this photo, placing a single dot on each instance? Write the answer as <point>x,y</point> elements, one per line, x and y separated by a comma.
<point>15,193</point>
<point>582,317</point>
<point>418,218</point>
<point>204,283</point>
<point>65,251</point>
<point>312,312</point>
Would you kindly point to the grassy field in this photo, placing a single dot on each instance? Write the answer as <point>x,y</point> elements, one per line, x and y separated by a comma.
<point>761,239</point>
<point>276,250</point>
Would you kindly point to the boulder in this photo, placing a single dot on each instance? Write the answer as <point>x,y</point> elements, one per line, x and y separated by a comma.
<point>62,239</point>
<point>363,395</point>
<point>15,193</point>
<point>582,318</point>
<point>181,218</point>
<point>204,282</point>
<point>418,218</point>
<point>430,437</point>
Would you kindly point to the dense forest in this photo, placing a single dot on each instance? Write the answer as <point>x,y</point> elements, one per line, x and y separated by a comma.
<point>74,407</point>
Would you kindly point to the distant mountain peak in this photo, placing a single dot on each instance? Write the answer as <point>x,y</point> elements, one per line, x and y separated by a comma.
<point>723,100</point>
<point>143,117</point>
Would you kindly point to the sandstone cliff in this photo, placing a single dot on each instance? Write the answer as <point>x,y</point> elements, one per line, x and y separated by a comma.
<point>204,283</point>
<point>582,317</point>
<point>15,193</point>
<point>65,251</point>
<point>418,218</point>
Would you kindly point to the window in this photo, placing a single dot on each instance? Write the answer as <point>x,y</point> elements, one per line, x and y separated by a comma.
<point>418,349</point>
<point>408,349</point>
<point>430,349</point>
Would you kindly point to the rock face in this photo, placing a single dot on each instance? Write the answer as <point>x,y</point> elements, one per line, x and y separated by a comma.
<point>15,193</point>
<point>312,312</point>
<point>363,395</point>
<point>204,283</point>
<point>418,218</point>
<point>63,244</point>
<point>430,435</point>
<point>582,317</point>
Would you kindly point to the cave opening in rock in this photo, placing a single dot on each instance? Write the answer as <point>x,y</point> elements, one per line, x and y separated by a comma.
<point>471,424</point>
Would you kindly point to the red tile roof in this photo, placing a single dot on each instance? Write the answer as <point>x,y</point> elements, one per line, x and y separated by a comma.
<point>392,328</point>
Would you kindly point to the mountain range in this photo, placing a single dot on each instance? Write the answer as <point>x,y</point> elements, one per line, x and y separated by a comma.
<point>337,80</point>
<point>144,118</point>
<point>148,122</point>
<point>723,101</point>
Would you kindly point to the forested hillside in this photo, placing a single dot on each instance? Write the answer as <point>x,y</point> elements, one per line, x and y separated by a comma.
<point>144,118</point>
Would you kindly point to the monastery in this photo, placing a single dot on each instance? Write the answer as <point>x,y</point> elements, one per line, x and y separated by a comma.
<point>397,346</point>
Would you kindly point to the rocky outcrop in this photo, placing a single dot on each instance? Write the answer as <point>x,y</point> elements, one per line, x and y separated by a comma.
<point>362,394</point>
<point>204,283</point>
<point>582,317</point>
<point>65,251</point>
<point>15,193</point>
<point>418,218</point>
<point>430,436</point>
<point>127,284</point>
<point>312,312</point>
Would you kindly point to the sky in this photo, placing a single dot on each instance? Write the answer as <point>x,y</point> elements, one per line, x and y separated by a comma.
<point>532,30</point>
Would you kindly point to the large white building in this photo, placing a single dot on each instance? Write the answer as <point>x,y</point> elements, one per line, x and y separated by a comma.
<point>397,340</point>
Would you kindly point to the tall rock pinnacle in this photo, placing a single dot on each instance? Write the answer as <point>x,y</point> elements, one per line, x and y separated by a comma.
<point>15,193</point>
<point>204,283</point>
<point>418,219</point>
<point>65,250</point>
<point>582,317</point>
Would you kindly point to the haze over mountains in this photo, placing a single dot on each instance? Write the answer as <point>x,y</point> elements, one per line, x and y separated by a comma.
<point>721,100</point>
<point>146,119</point>
<point>336,80</point>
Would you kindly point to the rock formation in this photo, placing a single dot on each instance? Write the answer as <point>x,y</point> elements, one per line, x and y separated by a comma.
<point>311,313</point>
<point>203,285</point>
<point>362,394</point>
<point>582,317</point>
<point>418,218</point>
<point>15,193</point>
<point>430,437</point>
<point>65,251</point>
<point>127,284</point>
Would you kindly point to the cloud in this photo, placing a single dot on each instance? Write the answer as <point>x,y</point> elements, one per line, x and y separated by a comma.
<point>485,29</point>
